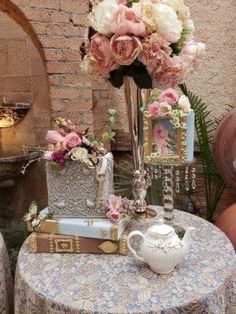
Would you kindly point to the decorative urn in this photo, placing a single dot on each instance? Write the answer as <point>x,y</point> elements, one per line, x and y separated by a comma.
<point>161,247</point>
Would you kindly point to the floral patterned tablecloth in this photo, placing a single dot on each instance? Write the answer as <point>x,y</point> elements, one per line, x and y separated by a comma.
<point>204,282</point>
<point>6,289</point>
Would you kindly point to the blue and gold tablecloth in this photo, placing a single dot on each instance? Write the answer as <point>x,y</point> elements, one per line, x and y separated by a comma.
<point>6,289</point>
<point>204,282</point>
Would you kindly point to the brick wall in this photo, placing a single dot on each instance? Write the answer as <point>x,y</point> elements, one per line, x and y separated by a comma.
<point>57,29</point>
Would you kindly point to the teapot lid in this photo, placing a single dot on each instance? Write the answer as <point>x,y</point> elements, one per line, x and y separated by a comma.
<point>161,229</point>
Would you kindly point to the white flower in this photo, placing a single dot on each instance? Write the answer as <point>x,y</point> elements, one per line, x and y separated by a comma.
<point>180,8</point>
<point>167,23</point>
<point>78,153</point>
<point>102,16</point>
<point>147,11</point>
<point>184,104</point>
<point>164,109</point>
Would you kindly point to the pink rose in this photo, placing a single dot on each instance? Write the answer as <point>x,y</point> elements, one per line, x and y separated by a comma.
<point>153,108</point>
<point>101,52</point>
<point>170,96</point>
<point>48,155</point>
<point>72,139</point>
<point>114,216</point>
<point>125,49</point>
<point>54,137</point>
<point>127,21</point>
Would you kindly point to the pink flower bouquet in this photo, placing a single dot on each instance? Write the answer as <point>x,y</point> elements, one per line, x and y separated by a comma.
<point>65,143</point>
<point>149,40</point>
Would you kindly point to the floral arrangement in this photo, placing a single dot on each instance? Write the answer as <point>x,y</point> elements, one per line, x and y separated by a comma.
<point>65,143</point>
<point>118,208</point>
<point>170,104</point>
<point>149,40</point>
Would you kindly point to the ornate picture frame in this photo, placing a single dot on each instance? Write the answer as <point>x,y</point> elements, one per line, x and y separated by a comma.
<point>163,143</point>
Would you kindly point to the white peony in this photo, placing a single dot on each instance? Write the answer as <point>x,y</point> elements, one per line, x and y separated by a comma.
<point>147,10</point>
<point>184,104</point>
<point>180,8</point>
<point>167,23</point>
<point>102,15</point>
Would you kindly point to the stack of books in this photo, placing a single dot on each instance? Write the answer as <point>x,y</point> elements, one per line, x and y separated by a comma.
<point>78,235</point>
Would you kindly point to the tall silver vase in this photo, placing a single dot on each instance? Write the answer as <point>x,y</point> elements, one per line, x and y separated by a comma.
<point>135,100</point>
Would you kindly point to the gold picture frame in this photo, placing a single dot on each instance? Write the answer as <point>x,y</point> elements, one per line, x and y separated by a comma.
<point>178,156</point>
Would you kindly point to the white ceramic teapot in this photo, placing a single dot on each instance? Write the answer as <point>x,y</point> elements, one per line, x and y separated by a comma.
<point>161,247</point>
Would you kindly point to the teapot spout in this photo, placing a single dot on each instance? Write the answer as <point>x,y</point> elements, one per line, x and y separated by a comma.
<point>187,237</point>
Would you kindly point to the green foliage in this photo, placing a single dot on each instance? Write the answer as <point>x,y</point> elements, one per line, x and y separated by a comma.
<point>106,132</point>
<point>214,185</point>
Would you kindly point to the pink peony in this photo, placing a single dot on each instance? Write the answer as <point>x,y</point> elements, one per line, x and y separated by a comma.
<point>192,54</point>
<point>127,21</point>
<point>114,203</point>
<point>72,139</point>
<point>48,155</point>
<point>125,49</point>
<point>101,52</point>
<point>153,109</point>
<point>54,137</point>
<point>172,73</point>
<point>170,96</point>
<point>154,53</point>
<point>114,216</point>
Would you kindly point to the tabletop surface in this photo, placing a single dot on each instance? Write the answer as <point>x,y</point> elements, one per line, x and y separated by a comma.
<point>118,284</point>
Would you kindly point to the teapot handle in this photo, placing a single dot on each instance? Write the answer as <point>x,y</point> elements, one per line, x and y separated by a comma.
<point>136,255</point>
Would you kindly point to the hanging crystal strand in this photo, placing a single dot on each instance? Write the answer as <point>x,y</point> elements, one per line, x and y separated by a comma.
<point>148,175</point>
<point>156,173</point>
<point>177,180</point>
<point>159,172</point>
<point>193,171</point>
<point>186,178</point>
<point>168,195</point>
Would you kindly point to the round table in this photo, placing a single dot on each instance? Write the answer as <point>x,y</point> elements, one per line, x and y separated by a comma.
<point>86,283</point>
<point>6,289</point>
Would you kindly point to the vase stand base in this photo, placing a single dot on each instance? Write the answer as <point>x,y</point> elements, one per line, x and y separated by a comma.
<point>149,213</point>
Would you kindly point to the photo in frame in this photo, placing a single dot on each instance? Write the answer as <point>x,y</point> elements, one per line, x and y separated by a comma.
<point>166,144</point>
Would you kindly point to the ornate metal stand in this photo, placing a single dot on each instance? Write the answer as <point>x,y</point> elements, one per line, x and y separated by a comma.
<point>135,99</point>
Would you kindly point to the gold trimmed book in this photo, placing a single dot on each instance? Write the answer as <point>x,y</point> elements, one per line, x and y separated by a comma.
<point>82,227</point>
<point>53,243</point>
